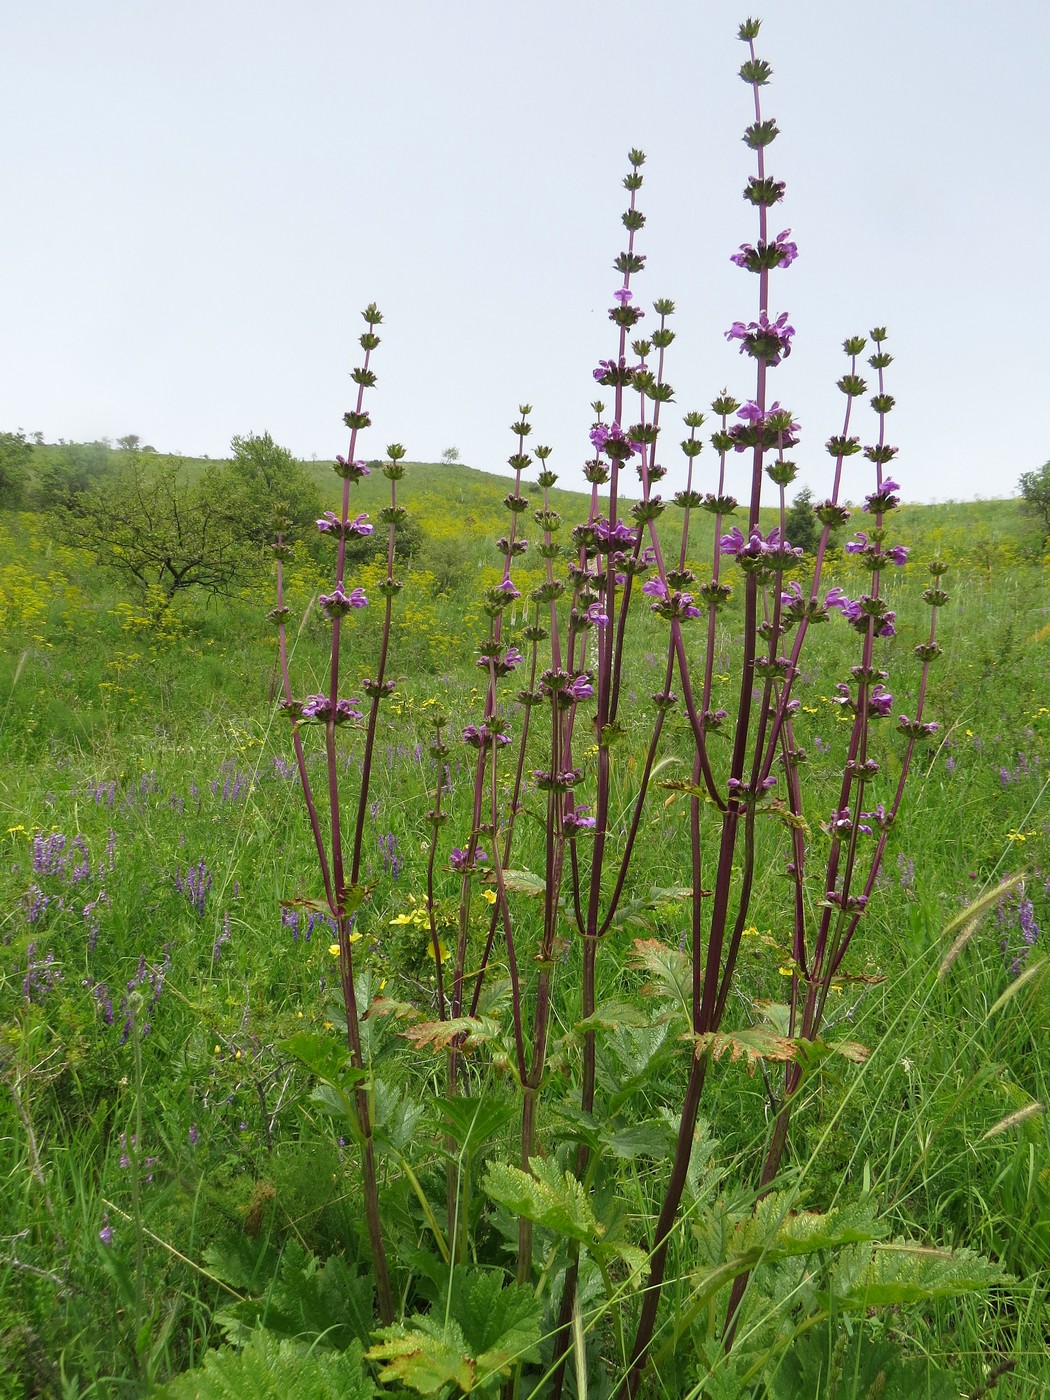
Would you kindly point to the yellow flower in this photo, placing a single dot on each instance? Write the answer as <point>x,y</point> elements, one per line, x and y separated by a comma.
<point>333,948</point>
<point>489,896</point>
<point>442,949</point>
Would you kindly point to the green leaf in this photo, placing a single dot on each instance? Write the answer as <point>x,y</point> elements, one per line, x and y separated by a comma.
<point>268,1368</point>
<point>753,1044</point>
<point>300,1297</point>
<point>522,882</point>
<point>612,1015</point>
<point>501,1323</point>
<point>780,1231</point>
<point>439,1035</point>
<point>553,1199</point>
<point>671,970</point>
<point>425,1355</point>
<point>473,1121</point>
<point>866,1368</point>
<point>650,1139</point>
<point>323,1056</point>
<point>902,1272</point>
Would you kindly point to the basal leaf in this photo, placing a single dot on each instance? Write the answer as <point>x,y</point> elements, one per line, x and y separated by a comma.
<point>500,1321</point>
<point>650,1139</point>
<point>324,1056</point>
<point>268,1368</point>
<point>611,1015</point>
<point>521,882</point>
<point>424,1355</point>
<point>901,1272</point>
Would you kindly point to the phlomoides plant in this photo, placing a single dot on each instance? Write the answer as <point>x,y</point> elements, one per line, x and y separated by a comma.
<point>550,749</point>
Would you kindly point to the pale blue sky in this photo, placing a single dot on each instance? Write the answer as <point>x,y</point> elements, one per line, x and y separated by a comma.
<point>201,196</point>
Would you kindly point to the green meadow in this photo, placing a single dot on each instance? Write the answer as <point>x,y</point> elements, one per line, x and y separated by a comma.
<point>176,1179</point>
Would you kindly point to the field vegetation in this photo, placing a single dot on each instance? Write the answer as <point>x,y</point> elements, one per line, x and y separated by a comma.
<point>155,965</point>
<point>456,938</point>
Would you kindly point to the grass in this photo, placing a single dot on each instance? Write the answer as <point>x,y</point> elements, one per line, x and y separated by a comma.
<point>137,1161</point>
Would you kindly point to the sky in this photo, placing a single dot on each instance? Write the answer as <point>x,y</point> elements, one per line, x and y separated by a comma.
<point>201,197</point>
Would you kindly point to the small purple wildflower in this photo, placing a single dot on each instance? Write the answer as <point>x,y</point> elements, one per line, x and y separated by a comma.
<point>392,862</point>
<point>194,883</point>
<point>223,938</point>
<point>106,1233</point>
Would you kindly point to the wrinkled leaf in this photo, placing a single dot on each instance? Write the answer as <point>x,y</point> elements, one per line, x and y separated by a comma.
<point>671,970</point>
<point>439,1035</point>
<point>425,1355</point>
<point>271,1369</point>
<point>553,1199</point>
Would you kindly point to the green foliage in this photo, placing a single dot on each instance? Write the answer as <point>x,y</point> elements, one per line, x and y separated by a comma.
<point>1035,495</point>
<point>63,472</point>
<point>268,1368</point>
<point>841,1367</point>
<point>152,527</point>
<point>15,456</point>
<point>547,1196</point>
<point>801,526</point>
<point>487,1328</point>
<point>291,1293</point>
<point>107,724</point>
<point>263,489</point>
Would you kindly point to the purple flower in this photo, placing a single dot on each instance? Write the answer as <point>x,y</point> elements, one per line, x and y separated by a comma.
<point>319,707</point>
<point>774,428</point>
<point>779,253</point>
<point>338,603</point>
<point>580,688</point>
<point>460,860</point>
<point>502,665</point>
<point>331,524</point>
<point>194,883</point>
<point>764,339</point>
<point>481,735</point>
<point>880,701</point>
<point>670,604</point>
<point>193,1135</point>
<point>610,537</point>
<point>613,441</point>
<point>623,296</point>
<point>106,1233</point>
<point>574,822</point>
<point>773,551</point>
<point>392,861</point>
